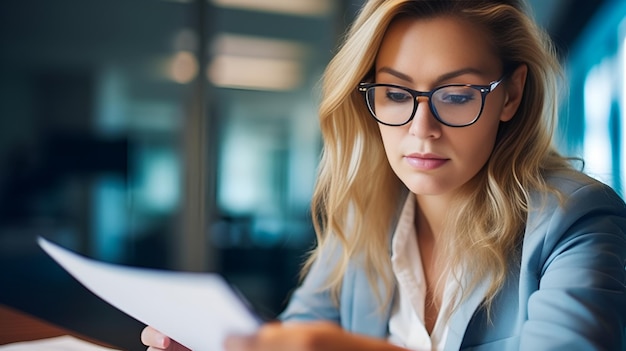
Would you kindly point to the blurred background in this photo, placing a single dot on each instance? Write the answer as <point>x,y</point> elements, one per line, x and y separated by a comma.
<point>182,135</point>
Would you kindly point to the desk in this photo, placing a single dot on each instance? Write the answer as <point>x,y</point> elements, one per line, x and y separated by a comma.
<point>19,326</point>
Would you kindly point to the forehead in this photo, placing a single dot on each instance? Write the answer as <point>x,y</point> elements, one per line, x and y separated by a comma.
<point>434,46</point>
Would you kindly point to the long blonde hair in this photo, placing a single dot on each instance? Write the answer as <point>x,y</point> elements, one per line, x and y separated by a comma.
<point>357,195</point>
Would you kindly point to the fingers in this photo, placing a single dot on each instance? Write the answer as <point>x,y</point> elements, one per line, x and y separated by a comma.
<point>275,337</point>
<point>240,343</point>
<point>157,341</point>
<point>153,338</point>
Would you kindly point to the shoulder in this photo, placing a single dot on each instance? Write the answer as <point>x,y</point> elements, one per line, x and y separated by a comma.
<point>572,266</point>
<point>575,192</point>
<point>585,210</point>
<point>569,182</point>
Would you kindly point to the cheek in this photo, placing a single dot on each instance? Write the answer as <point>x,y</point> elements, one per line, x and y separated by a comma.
<point>479,149</point>
<point>391,137</point>
<point>477,143</point>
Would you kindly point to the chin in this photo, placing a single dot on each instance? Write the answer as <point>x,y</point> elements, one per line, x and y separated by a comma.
<point>427,190</point>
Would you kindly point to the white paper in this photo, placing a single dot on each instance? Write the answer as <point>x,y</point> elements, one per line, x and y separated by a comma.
<point>199,310</point>
<point>58,343</point>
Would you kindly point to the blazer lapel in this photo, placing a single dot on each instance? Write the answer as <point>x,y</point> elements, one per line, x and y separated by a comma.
<point>461,317</point>
<point>366,315</point>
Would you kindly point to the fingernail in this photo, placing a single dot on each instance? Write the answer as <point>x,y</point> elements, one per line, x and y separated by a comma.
<point>161,342</point>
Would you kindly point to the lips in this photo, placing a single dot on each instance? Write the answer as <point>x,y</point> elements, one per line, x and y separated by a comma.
<point>425,161</point>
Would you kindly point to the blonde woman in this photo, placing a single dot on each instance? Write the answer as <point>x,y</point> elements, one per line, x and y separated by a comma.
<point>445,218</point>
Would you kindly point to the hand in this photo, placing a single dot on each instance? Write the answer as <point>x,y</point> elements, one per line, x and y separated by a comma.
<point>312,336</point>
<point>155,340</point>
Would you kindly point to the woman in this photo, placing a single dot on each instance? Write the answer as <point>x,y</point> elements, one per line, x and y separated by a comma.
<point>449,220</point>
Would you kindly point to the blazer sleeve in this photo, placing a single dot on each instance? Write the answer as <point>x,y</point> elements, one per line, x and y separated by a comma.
<point>580,303</point>
<point>312,299</point>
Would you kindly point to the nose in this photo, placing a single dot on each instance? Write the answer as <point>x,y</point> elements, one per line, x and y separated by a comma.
<point>424,125</point>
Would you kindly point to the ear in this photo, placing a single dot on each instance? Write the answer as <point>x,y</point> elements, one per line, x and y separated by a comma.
<point>514,90</point>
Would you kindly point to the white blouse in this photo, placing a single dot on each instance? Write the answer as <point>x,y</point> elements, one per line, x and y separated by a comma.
<point>406,325</point>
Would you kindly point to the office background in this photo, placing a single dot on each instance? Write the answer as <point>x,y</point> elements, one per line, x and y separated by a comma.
<point>182,134</point>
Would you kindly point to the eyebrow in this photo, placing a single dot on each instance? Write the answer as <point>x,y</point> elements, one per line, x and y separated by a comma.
<point>441,78</point>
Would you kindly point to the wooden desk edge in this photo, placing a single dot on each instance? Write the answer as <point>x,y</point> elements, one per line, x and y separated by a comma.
<point>18,326</point>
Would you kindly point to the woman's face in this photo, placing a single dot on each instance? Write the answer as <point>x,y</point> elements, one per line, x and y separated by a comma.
<point>429,157</point>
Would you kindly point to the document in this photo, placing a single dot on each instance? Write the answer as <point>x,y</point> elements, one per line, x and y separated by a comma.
<point>58,343</point>
<point>199,310</point>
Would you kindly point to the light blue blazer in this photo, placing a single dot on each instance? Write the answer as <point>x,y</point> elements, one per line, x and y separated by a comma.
<point>568,293</point>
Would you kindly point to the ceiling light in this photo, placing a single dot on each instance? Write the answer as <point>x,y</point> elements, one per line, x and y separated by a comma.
<point>241,45</point>
<point>289,7</point>
<point>255,73</point>
<point>247,62</point>
<point>183,67</point>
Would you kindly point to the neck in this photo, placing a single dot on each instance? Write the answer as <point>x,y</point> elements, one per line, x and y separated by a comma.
<point>430,215</point>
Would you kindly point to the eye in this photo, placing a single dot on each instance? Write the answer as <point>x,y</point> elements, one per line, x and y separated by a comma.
<point>397,95</point>
<point>455,95</point>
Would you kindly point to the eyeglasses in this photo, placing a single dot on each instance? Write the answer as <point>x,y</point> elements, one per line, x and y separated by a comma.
<point>454,105</point>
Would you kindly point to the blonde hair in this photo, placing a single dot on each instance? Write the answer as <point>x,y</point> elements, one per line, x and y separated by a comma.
<point>358,196</point>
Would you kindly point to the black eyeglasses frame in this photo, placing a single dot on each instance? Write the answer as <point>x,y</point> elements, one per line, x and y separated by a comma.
<point>483,89</point>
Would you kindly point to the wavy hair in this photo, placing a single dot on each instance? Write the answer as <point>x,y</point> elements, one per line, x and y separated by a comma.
<point>357,196</point>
